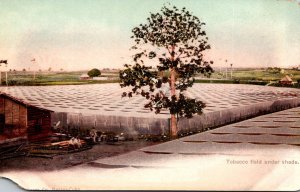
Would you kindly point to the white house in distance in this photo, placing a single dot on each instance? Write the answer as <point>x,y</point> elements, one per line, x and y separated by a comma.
<point>100,78</point>
<point>84,77</point>
<point>87,77</point>
<point>104,78</point>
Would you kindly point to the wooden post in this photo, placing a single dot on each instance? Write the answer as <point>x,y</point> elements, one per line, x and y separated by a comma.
<point>6,78</point>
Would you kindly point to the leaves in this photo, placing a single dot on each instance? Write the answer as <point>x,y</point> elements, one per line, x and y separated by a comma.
<point>152,55</point>
<point>94,72</point>
<point>182,107</point>
<point>182,37</point>
<point>170,27</point>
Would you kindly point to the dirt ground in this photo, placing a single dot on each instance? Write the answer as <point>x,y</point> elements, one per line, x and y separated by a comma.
<point>101,150</point>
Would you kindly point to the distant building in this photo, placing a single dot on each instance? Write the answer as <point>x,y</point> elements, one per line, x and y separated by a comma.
<point>105,78</point>
<point>286,80</point>
<point>100,78</point>
<point>84,77</point>
<point>21,122</point>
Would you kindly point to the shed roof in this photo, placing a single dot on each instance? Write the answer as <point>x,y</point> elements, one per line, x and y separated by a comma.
<point>22,102</point>
<point>286,78</point>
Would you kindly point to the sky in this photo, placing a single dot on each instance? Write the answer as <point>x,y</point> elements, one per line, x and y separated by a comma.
<point>83,34</point>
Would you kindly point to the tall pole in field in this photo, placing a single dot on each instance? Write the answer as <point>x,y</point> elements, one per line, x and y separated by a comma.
<point>5,62</point>
<point>231,70</point>
<point>226,67</point>
<point>33,62</point>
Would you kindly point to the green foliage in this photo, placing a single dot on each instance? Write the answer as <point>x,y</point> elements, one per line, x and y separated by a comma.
<point>94,72</point>
<point>273,70</point>
<point>176,41</point>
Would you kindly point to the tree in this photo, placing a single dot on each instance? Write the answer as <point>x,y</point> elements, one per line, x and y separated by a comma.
<point>175,40</point>
<point>94,72</point>
<point>274,70</point>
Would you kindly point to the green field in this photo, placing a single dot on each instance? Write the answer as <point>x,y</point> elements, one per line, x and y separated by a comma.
<point>259,75</point>
<point>244,76</point>
<point>252,76</point>
<point>52,78</point>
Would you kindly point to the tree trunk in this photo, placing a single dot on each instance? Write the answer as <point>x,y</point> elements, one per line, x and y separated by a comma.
<point>173,117</point>
<point>173,130</point>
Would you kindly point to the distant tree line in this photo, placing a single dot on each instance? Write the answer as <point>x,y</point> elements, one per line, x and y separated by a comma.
<point>273,70</point>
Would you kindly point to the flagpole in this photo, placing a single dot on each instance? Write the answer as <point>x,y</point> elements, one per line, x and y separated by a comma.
<point>33,62</point>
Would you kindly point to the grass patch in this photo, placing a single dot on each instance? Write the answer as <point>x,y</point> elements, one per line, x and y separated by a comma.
<point>51,78</point>
<point>239,76</point>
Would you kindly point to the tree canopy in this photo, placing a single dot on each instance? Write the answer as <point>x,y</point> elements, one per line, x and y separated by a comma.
<point>174,39</point>
<point>94,72</point>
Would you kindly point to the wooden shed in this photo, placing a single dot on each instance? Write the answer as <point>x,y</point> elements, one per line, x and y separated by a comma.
<point>22,122</point>
<point>84,77</point>
<point>286,80</point>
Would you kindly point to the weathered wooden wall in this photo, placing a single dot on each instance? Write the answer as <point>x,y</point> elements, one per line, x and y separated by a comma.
<point>38,122</point>
<point>20,121</point>
<point>13,120</point>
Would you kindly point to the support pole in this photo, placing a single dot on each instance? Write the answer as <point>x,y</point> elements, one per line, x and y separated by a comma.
<point>6,78</point>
